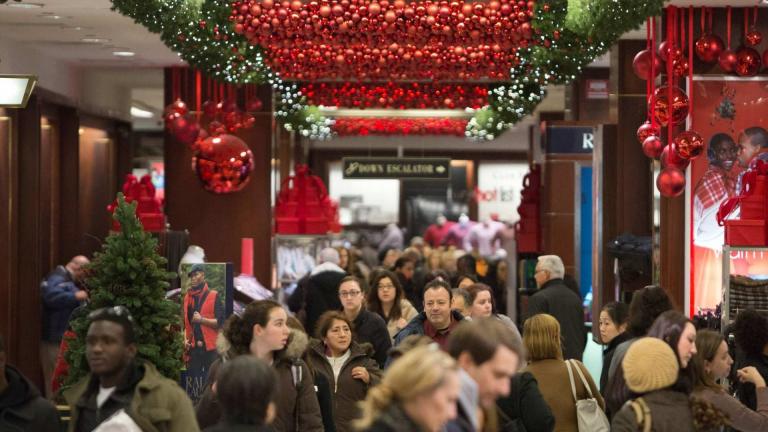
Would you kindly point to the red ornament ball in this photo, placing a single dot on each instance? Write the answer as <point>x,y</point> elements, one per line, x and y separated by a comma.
<point>708,48</point>
<point>223,164</point>
<point>666,111</point>
<point>210,108</point>
<point>689,145</point>
<point>642,65</point>
<point>653,146</point>
<point>670,182</point>
<point>178,106</point>
<point>727,60</point>
<point>186,129</point>
<point>748,62</point>
<point>645,130</point>
<point>670,158</point>
<point>753,38</point>
<point>254,105</point>
<point>680,66</point>
<point>667,50</point>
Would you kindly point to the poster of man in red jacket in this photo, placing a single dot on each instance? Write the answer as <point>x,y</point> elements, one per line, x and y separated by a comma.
<point>203,312</point>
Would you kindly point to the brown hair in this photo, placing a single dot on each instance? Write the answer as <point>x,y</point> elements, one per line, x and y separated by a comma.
<point>238,330</point>
<point>481,338</point>
<point>360,283</point>
<point>541,336</point>
<point>477,288</point>
<point>325,322</point>
<point>707,344</point>
<point>372,301</point>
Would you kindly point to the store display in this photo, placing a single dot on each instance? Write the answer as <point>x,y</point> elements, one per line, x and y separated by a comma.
<point>303,205</point>
<point>148,208</point>
<point>528,228</point>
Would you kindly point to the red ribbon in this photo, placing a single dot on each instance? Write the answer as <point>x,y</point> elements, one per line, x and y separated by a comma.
<point>729,26</point>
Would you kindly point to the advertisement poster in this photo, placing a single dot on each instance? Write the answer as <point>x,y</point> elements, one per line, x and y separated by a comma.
<point>731,115</point>
<point>206,302</point>
<point>499,185</point>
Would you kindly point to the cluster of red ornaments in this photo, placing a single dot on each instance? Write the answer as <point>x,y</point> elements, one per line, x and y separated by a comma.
<point>222,162</point>
<point>396,95</point>
<point>371,39</point>
<point>347,126</point>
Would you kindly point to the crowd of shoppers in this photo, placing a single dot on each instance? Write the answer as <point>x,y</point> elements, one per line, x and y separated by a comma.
<point>414,348</point>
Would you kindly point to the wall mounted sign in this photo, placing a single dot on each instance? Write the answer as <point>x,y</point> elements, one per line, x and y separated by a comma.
<point>597,89</point>
<point>570,139</point>
<point>396,168</point>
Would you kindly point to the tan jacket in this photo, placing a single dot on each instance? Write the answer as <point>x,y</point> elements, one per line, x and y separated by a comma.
<point>158,403</point>
<point>408,313</point>
<point>552,376</point>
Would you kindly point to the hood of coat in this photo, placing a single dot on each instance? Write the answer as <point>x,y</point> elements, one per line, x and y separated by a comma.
<point>364,349</point>
<point>326,267</point>
<point>298,341</point>
<point>19,391</point>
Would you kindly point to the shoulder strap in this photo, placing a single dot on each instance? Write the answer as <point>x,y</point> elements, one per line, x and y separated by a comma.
<point>642,414</point>
<point>583,380</point>
<point>570,378</point>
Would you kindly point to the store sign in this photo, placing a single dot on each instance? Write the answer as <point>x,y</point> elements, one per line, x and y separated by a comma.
<point>499,185</point>
<point>570,139</point>
<point>396,168</point>
<point>597,89</point>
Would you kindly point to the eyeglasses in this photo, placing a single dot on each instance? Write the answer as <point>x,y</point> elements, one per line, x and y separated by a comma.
<point>350,294</point>
<point>114,312</point>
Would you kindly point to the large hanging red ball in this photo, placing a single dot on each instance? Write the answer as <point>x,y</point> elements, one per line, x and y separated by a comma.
<point>667,50</point>
<point>178,106</point>
<point>666,111</point>
<point>670,182</point>
<point>641,64</point>
<point>708,48</point>
<point>670,158</point>
<point>653,146</point>
<point>186,129</point>
<point>645,130</point>
<point>748,62</point>
<point>223,164</point>
<point>727,60</point>
<point>689,145</point>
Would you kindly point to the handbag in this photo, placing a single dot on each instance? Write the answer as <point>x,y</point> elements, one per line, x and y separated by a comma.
<point>588,413</point>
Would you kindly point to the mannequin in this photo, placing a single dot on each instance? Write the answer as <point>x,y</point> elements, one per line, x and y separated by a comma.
<point>481,237</point>
<point>458,234</point>
<point>435,233</point>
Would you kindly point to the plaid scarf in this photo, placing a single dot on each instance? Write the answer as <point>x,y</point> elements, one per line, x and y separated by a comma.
<point>715,185</point>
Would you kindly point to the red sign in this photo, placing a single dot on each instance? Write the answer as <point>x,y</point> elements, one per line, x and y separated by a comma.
<point>597,89</point>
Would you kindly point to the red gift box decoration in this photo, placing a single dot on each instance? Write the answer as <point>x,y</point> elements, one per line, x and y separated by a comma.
<point>751,227</point>
<point>304,207</point>
<point>148,209</point>
<point>528,229</point>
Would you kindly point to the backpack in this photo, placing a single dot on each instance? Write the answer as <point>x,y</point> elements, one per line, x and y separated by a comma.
<point>590,417</point>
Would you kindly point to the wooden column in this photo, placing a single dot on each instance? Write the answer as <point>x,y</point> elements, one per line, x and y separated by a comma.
<point>218,222</point>
<point>69,178</point>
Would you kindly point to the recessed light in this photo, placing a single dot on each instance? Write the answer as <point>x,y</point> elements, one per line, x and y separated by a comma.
<point>141,113</point>
<point>51,16</point>
<point>94,40</point>
<point>26,5</point>
<point>124,53</point>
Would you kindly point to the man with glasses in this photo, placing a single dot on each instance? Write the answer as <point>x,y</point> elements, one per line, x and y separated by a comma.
<point>555,298</point>
<point>122,391</point>
<point>438,320</point>
<point>368,326</point>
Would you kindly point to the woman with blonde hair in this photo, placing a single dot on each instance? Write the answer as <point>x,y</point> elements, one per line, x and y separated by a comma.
<point>418,393</point>
<point>541,336</point>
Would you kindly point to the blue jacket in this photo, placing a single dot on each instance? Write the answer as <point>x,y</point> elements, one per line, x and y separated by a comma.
<point>58,295</point>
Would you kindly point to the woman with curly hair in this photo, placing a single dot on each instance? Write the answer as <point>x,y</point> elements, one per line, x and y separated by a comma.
<point>751,333</point>
<point>262,331</point>
<point>417,394</point>
<point>387,299</point>
<point>711,363</point>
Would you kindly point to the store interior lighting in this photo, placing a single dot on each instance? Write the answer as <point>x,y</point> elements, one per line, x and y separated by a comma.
<point>15,90</point>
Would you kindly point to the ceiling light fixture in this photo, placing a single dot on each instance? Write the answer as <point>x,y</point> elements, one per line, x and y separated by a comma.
<point>141,113</point>
<point>94,40</point>
<point>26,5</point>
<point>15,90</point>
<point>124,53</point>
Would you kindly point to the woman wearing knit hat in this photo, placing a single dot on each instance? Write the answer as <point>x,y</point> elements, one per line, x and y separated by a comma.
<point>650,369</point>
<point>541,336</point>
<point>711,363</point>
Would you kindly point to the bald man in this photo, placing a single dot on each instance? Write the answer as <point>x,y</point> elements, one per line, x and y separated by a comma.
<point>61,292</point>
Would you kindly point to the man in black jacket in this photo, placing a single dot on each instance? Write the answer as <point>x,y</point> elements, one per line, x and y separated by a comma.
<point>556,299</point>
<point>369,327</point>
<point>21,406</point>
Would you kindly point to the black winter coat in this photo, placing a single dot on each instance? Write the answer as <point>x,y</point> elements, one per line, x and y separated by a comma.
<point>372,329</point>
<point>22,409</point>
<point>525,406</point>
<point>608,357</point>
<point>746,391</point>
<point>322,295</point>
<point>556,299</point>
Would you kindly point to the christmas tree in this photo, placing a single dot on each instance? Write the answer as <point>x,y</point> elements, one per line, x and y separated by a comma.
<point>129,272</point>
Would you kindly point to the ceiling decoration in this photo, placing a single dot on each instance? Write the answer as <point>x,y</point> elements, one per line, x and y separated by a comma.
<point>564,36</point>
<point>391,95</point>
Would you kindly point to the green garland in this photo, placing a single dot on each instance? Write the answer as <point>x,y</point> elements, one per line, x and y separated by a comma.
<point>570,34</point>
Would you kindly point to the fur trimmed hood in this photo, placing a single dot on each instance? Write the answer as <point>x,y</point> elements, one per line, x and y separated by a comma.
<point>298,341</point>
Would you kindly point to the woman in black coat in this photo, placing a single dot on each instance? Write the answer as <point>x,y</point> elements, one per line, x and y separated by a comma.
<point>525,409</point>
<point>613,331</point>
